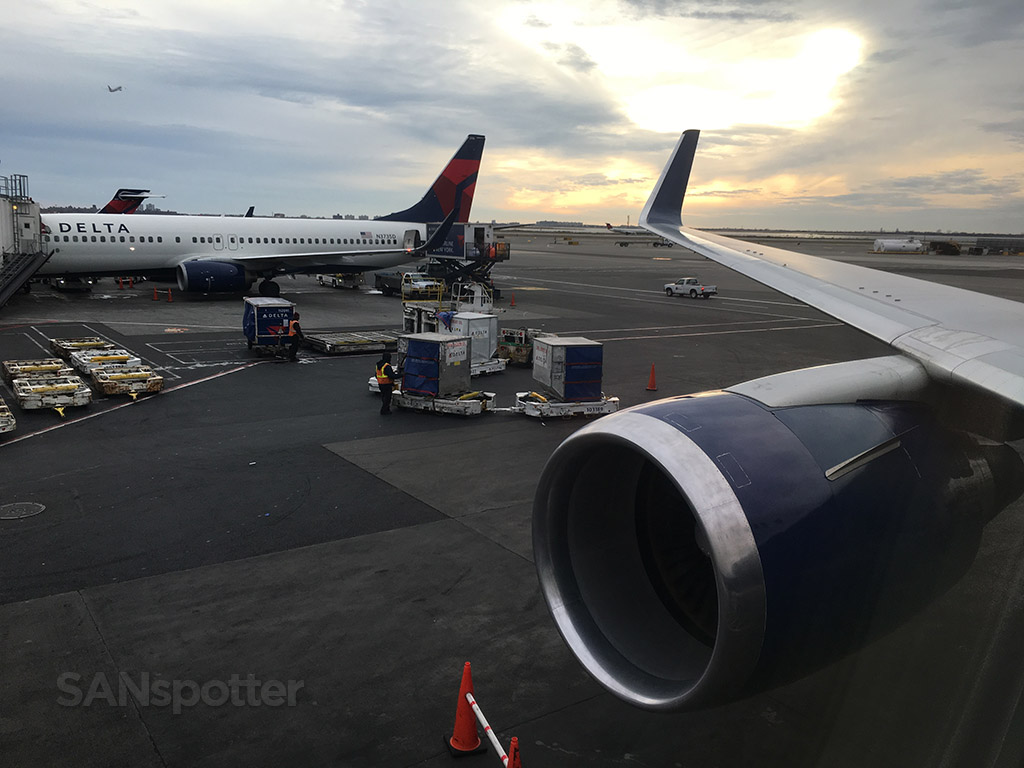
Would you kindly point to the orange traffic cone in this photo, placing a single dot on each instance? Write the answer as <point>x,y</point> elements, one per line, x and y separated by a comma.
<point>651,386</point>
<point>155,297</point>
<point>120,283</point>
<point>169,295</point>
<point>464,739</point>
<point>513,302</point>
<point>514,761</point>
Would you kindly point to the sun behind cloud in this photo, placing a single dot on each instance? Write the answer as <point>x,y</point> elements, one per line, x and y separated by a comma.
<point>790,91</point>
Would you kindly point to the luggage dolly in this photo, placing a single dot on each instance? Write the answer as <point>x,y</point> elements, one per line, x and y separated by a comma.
<point>537,405</point>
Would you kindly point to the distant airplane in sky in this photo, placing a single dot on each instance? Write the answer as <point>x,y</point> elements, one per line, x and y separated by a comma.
<point>228,254</point>
<point>114,90</point>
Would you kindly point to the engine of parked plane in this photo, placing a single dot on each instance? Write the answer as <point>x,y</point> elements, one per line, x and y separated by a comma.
<point>700,548</point>
<point>212,277</point>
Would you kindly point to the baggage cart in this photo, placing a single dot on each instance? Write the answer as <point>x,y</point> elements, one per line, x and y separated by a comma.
<point>47,366</point>
<point>467,404</point>
<point>131,380</point>
<point>7,421</point>
<point>57,392</point>
<point>537,405</point>
<point>64,347</point>
<point>353,342</point>
<point>87,360</point>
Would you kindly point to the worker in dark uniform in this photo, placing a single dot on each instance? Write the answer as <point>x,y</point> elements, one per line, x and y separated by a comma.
<point>386,382</point>
<point>295,335</point>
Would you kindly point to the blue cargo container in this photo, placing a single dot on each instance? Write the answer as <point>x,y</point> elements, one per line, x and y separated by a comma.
<point>265,320</point>
<point>436,364</point>
<point>570,366</point>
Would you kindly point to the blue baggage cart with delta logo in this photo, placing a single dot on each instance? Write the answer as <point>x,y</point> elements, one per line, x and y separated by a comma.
<point>265,322</point>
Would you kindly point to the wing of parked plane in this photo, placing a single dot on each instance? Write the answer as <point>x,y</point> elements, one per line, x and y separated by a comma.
<point>701,548</point>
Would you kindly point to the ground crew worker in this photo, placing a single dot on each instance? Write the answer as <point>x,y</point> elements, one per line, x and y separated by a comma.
<point>295,334</point>
<point>386,382</point>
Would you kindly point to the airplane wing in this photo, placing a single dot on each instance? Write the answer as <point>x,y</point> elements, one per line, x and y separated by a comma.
<point>959,336</point>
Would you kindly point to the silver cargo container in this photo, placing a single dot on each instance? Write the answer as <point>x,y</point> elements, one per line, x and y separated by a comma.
<point>482,329</point>
<point>569,366</point>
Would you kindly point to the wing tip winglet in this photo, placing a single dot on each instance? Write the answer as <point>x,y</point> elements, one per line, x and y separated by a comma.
<point>666,201</point>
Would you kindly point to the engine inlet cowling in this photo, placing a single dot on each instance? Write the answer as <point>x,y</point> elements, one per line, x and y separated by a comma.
<point>700,548</point>
<point>212,277</point>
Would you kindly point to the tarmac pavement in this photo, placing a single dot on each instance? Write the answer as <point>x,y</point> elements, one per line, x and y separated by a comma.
<point>260,518</point>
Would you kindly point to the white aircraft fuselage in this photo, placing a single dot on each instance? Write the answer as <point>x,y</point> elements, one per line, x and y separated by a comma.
<point>114,244</point>
<point>228,253</point>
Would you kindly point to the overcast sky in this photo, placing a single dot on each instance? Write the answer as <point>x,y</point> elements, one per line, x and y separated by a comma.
<point>836,114</point>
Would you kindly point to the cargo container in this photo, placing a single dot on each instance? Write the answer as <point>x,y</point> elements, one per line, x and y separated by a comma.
<point>265,320</point>
<point>436,364</point>
<point>482,330</point>
<point>569,366</point>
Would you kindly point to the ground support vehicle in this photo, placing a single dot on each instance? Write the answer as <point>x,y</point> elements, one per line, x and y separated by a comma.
<point>468,404</point>
<point>47,366</point>
<point>265,322</point>
<point>57,392</point>
<point>486,368</point>
<point>341,280</point>
<point>653,243</point>
<point>690,286</point>
<point>131,380</point>
<point>7,421</point>
<point>351,342</point>
<point>64,347</point>
<point>516,344</point>
<point>539,406</point>
<point>411,286</point>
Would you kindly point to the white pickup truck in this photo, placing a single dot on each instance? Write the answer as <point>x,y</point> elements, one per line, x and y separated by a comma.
<point>690,286</point>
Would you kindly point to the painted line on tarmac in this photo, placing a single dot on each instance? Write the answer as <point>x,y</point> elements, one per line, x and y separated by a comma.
<point>591,332</point>
<point>724,333</point>
<point>191,326</point>
<point>129,403</point>
<point>646,290</point>
<point>705,307</point>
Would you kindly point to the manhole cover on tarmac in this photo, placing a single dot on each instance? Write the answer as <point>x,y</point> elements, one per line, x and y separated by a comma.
<point>20,509</point>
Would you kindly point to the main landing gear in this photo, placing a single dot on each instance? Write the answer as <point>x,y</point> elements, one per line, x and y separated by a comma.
<point>269,288</point>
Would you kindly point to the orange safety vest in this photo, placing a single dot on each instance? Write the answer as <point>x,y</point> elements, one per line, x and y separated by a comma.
<point>291,327</point>
<point>381,378</point>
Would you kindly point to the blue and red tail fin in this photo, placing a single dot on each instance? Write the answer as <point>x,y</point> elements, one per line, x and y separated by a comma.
<point>125,201</point>
<point>453,189</point>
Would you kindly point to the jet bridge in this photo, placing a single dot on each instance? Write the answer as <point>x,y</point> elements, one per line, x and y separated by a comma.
<point>21,244</point>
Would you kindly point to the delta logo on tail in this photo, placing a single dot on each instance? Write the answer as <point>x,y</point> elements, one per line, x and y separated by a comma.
<point>453,189</point>
<point>126,201</point>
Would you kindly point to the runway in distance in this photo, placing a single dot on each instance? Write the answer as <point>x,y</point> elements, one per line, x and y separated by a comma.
<point>701,548</point>
<point>228,254</point>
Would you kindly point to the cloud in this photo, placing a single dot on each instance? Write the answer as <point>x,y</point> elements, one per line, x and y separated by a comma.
<point>354,107</point>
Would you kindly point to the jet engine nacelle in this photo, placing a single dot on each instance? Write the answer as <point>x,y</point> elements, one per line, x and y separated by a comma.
<point>212,277</point>
<point>697,549</point>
